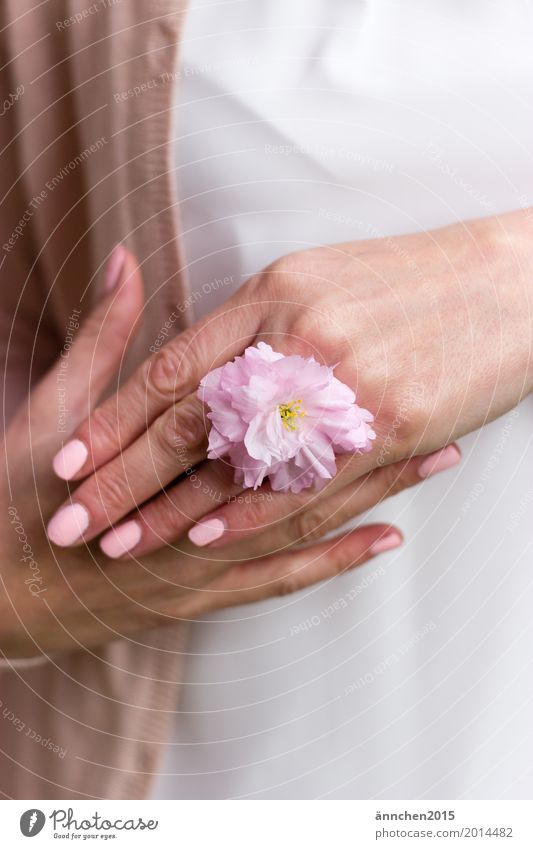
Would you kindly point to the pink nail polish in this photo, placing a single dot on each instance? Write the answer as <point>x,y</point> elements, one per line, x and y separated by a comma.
<point>439,461</point>
<point>120,540</point>
<point>70,459</point>
<point>386,543</point>
<point>68,524</point>
<point>114,267</point>
<point>205,532</point>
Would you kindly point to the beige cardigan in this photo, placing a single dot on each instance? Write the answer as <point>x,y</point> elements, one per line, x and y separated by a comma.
<point>96,108</point>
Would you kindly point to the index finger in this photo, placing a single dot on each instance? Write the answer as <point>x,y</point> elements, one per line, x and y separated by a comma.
<point>164,378</point>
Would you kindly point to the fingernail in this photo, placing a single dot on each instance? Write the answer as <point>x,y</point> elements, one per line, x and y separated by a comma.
<point>120,540</point>
<point>70,459</point>
<point>206,532</point>
<point>68,524</point>
<point>439,461</point>
<point>114,267</point>
<point>390,540</point>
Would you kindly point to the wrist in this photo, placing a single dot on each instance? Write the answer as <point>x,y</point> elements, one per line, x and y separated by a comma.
<point>505,243</point>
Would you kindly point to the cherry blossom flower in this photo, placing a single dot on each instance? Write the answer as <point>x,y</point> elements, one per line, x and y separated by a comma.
<point>282,417</point>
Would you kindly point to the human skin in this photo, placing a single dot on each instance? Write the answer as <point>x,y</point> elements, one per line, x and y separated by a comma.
<point>437,324</point>
<point>58,599</point>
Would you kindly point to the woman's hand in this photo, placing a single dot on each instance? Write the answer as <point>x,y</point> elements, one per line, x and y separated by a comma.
<point>65,599</point>
<point>433,332</point>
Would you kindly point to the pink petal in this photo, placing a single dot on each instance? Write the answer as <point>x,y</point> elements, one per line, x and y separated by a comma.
<point>244,397</point>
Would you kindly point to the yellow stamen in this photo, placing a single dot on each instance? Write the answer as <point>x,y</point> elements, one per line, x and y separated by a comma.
<point>289,413</point>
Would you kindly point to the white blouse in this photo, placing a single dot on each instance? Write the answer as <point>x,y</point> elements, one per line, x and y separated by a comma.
<point>304,122</point>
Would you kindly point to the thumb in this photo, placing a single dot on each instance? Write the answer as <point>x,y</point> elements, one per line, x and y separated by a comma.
<point>74,384</point>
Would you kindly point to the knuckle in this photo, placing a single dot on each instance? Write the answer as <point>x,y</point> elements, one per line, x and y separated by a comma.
<point>286,585</point>
<point>272,281</point>
<point>111,492</point>
<point>313,332</point>
<point>409,435</point>
<point>406,478</point>
<point>406,418</point>
<point>338,563</point>
<point>394,478</point>
<point>165,518</point>
<point>192,422</point>
<point>310,525</point>
<point>183,426</point>
<point>292,263</point>
<point>252,515</point>
<point>169,369</point>
<point>102,431</point>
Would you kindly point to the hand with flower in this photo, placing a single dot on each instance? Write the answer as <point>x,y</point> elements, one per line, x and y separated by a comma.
<point>60,599</point>
<point>437,325</point>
